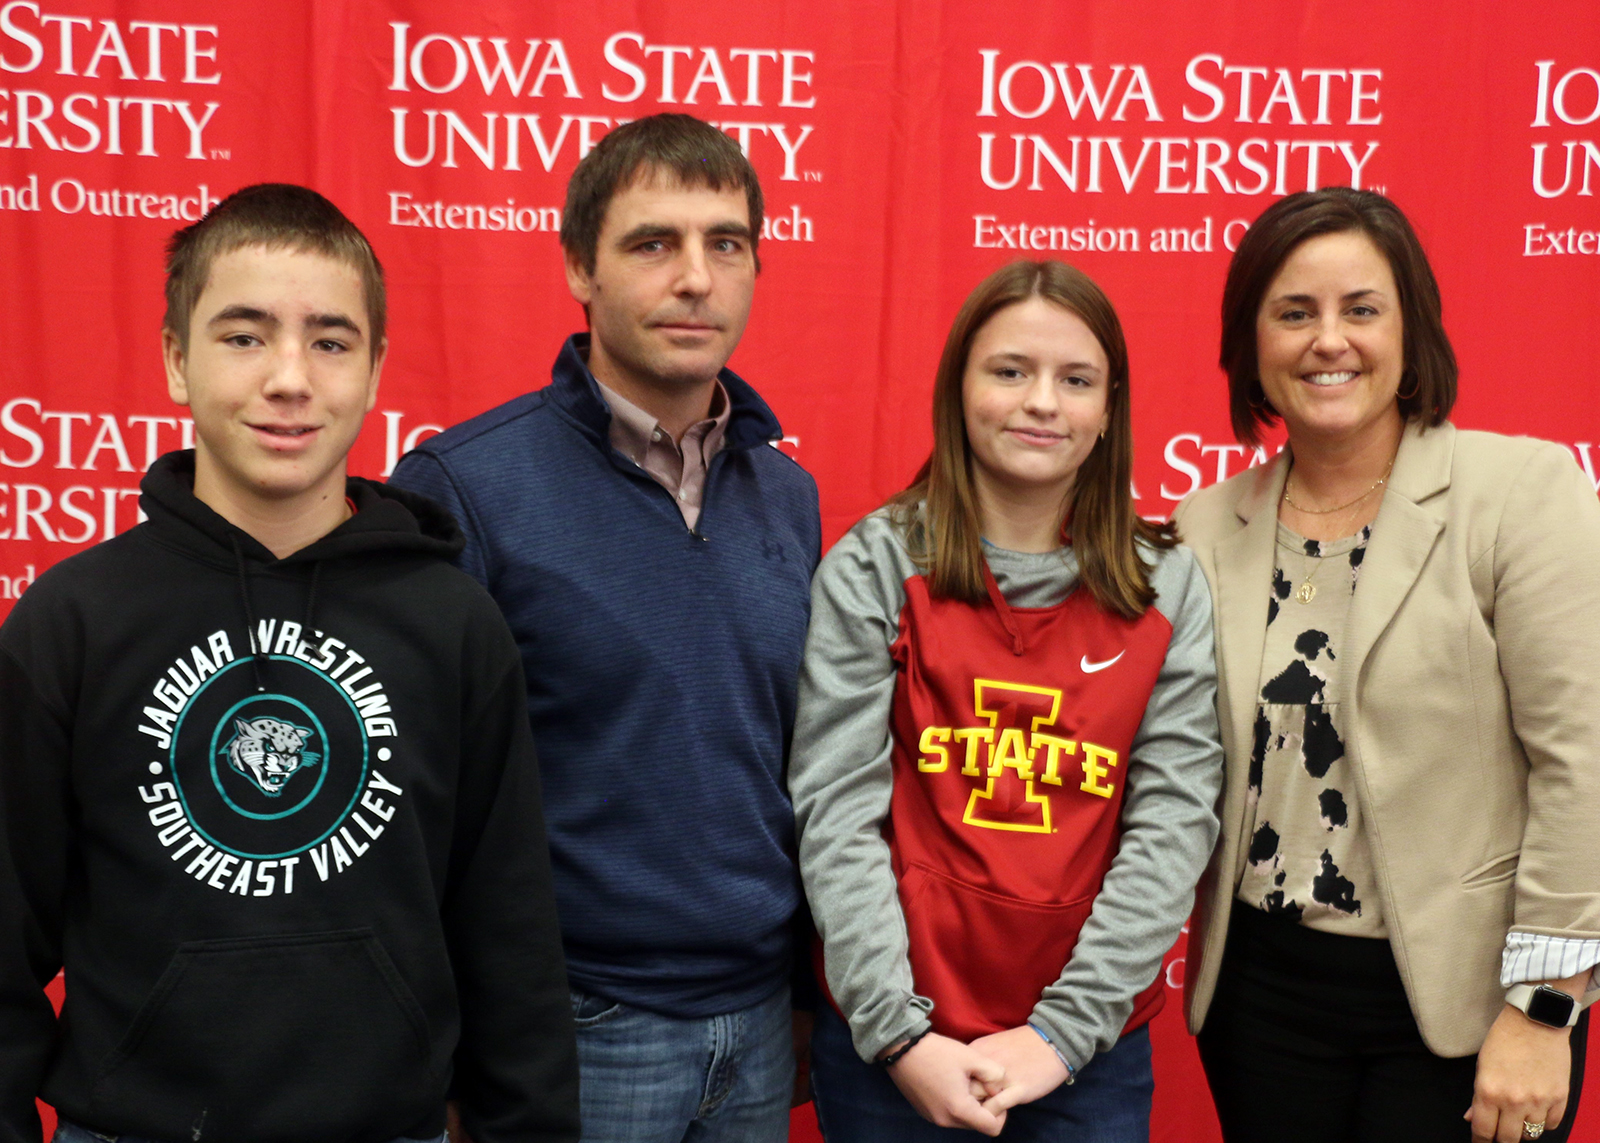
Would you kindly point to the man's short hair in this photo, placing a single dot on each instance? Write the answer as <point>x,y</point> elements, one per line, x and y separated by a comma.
<point>688,150</point>
<point>278,216</point>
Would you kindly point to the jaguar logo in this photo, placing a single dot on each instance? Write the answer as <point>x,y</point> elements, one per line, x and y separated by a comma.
<point>269,752</point>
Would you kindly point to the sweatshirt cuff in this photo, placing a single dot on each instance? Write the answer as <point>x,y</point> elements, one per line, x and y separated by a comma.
<point>907,1022</point>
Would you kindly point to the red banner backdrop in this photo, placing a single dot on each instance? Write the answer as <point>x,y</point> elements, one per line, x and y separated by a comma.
<point>905,148</point>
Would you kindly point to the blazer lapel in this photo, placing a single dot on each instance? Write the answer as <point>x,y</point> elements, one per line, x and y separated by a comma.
<point>1402,536</point>
<point>1244,582</point>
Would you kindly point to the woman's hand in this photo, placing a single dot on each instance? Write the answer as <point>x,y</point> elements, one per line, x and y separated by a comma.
<point>1523,1072</point>
<point>942,1078</point>
<point>1032,1068</point>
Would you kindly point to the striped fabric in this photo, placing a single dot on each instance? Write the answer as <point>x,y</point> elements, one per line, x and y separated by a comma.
<point>1531,957</point>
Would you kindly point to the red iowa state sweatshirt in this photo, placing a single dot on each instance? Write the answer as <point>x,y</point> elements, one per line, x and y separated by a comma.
<point>1003,807</point>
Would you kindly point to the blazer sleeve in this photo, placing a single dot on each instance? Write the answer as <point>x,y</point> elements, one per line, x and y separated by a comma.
<point>1546,578</point>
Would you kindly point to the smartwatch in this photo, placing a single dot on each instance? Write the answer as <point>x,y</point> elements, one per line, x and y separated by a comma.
<point>1545,1005</point>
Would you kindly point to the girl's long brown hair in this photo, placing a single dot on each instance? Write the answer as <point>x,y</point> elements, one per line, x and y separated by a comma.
<point>945,535</point>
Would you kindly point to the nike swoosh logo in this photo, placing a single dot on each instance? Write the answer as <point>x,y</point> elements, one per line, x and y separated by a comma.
<point>1090,668</point>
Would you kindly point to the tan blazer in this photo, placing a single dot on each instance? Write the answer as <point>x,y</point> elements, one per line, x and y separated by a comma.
<point>1468,679</point>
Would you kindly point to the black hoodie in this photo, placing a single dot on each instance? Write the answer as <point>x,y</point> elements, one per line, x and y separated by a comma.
<point>294,889</point>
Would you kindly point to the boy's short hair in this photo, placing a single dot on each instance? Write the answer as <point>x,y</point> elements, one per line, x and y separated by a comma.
<point>684,148</point>
<point>277,216</point>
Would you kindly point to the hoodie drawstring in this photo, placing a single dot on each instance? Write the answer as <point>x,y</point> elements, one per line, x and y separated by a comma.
<point>1003,610</point>
<point>258,654</point>
<point>311,600</point>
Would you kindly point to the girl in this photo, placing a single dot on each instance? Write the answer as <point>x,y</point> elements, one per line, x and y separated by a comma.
<point>1005,760</point>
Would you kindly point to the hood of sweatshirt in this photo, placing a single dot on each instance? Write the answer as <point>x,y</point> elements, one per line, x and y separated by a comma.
<point>386,519</point>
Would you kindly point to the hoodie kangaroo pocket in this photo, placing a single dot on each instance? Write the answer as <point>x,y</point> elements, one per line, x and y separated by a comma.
<point>982,957</point>
<point>272,1036</point>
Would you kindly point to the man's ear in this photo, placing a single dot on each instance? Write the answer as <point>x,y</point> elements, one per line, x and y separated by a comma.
<point>578,279</point>
<point>173,356</point>
<point>377,371</point>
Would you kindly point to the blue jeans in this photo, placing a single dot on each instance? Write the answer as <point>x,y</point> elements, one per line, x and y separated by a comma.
<point>857,1102</point>
<point>647,1078</point>
<point>72,1133</point>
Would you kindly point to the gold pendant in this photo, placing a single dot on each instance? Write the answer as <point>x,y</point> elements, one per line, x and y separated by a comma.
<point>1307,592</point>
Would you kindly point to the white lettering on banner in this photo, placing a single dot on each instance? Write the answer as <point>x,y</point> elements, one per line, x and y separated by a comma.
<point>404,210</point>
<point>25,421</point>
<point>1573,99</point>
<point>1587,91</point>
<point>787,226</point>
<point>32,436</point>
<point>12,587</point>
<point>1359,84</point>
<point>441,63</point>
<point>990,234</point>
<point>1585,451</point>
<point>445,68</point>
<point>1174,164</point>
<point>77,515</point>
<point>20,196</point>
<point>1181,448</point>
<point>105,51</point>
<point>22,25</point>
<point>1201,464</point>
<point>1541,241</point>
<point>484,141</point>
<point>1057,77</point>
<point>395,445</point>
<point>69,196</point>
<point>102,126</point>
<point>793,80</point>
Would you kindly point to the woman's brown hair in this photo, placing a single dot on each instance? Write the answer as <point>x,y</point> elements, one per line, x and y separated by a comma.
<point>1429,370</point>
<point>940,509</point>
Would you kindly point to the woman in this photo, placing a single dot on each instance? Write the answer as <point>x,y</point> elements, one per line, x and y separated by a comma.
<point>1005,761</point>
<point>1407,617</point>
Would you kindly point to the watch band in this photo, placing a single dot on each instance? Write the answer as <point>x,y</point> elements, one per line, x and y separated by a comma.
<point>1545,1005</point>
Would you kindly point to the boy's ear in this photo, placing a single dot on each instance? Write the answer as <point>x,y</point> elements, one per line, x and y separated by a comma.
<point>377,371</point>
<point>174,357</point>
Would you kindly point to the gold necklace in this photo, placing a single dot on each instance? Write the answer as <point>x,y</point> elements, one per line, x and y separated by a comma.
<point>1307,591</point>
<point>1379,483</point>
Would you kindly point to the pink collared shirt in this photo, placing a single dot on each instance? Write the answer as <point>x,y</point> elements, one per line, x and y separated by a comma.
<point>679,468</point>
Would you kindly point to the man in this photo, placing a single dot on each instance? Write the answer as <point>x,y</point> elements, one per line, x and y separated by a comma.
<point>265,785</point>
<point>653,556</point>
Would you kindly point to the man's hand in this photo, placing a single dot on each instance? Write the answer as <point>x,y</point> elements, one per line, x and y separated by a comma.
<point>1033,1069</point>
<point>1523,1071</point>
<point>940,1076</point>
<point>802,1021</point>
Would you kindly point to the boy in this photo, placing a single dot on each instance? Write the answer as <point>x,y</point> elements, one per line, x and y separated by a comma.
<point>266,784</point>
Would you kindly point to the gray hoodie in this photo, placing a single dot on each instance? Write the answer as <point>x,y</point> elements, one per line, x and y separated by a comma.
<point>841,779</point>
